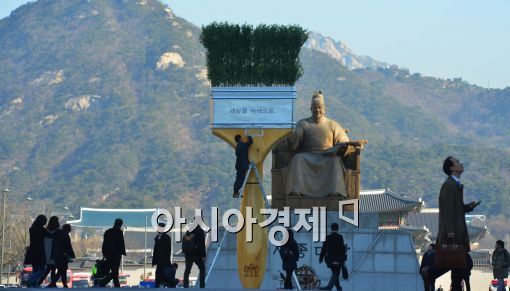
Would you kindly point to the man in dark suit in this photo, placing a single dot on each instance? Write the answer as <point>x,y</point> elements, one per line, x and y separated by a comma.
<point>333,251</point>
<point>242,162</point>
<point>452,220</point>
<point>113,249</point>
<point>197,255</point>
<point>161,255</point>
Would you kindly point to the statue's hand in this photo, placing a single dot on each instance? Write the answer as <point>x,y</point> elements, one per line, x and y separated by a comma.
<point>291,140</point>
<point>336,150</point>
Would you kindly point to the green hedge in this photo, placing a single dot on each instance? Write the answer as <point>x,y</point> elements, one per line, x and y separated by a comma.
<point>240,55</point>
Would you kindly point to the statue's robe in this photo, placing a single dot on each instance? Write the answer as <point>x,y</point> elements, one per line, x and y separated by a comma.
<point>310,172</point>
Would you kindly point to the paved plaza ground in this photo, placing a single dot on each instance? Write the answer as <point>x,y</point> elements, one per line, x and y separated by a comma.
<point>480,279</point>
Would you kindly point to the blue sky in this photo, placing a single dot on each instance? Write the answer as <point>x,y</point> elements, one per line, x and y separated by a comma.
<point>447,39</point>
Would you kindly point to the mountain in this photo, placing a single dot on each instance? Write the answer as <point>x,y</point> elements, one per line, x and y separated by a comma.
<point>106,104</point>
<point>340,52</point>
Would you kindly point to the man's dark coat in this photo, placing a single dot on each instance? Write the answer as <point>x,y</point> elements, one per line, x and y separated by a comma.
<point>452,214</point>
<point>113,243</point>
<point>162,250</point>
<point>333,249</point>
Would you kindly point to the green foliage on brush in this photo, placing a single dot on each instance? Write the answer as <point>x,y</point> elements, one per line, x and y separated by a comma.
<point>240,55</point>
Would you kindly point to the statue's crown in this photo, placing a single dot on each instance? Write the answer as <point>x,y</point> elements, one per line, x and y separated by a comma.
<point>318,97</point>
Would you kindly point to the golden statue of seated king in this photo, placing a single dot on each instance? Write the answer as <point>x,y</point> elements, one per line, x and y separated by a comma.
<point>317,160</point>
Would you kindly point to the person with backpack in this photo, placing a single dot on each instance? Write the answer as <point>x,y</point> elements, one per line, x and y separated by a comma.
<point>99,272</point>
<point>500,263</point>
<point>62,253</point>
<point>289,253</point>
<point>334,253</point>
<point>113,249</point>
<point>193,247</point>
<point>161,254</point>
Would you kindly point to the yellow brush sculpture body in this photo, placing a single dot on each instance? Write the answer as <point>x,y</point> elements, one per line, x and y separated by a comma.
<point>251,256</point>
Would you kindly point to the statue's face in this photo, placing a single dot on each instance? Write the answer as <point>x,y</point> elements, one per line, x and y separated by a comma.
<point>318,110</point>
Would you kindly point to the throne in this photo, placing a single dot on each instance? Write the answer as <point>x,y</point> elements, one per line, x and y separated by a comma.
<point>282,155</point>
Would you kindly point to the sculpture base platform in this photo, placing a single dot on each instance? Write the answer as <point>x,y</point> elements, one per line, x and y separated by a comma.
<point>377,260</point>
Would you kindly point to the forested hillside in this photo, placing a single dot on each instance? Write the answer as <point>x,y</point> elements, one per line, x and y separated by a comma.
<point>105,103</point>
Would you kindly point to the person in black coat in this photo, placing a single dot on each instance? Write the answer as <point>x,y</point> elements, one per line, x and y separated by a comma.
<point>289,253</point>
<point>333,252</point>
<point>52,228</point>
<point>35,255</point>
<point>197,255</point>
<point>242,162</point>
<point>113,249</point>
<point>161,255</point>
<point>62,253</point>
<point>427,269</point>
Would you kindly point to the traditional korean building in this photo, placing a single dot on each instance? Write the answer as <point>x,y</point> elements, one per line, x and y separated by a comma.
<point>135,220</point>
<point>407,213</point>
<point>138,230</point>
<point>393,209</point>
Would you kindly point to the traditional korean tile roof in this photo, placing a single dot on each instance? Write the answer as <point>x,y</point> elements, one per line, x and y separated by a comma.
<point>385,200</point>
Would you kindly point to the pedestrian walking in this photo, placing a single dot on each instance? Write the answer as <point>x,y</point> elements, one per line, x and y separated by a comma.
<point>193,247</point>
<point>35,255</point>
<point>289,253</point>
<point>500,263</point>
<point>53,226</point>
<point>427,269</point>
<point>63,253</point>
<point>334,253</point>
<point>452,228</point>
<point>113,249</point>
<point>161,255</point>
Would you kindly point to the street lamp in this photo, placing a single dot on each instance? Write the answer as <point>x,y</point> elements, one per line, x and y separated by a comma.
<point>4,197</point>
<point>5,191</point>
<point>23,216</point>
